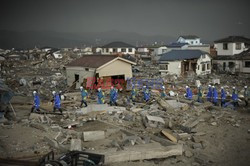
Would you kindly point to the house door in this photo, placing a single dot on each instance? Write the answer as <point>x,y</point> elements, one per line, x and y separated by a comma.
<point>77,83</point>
<point>224,66</point>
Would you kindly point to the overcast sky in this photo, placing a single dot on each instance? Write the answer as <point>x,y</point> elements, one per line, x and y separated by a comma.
<point>210,19</point>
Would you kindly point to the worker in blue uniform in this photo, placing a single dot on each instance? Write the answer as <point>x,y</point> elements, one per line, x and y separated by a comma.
<point>209,93</point>
<point>84,94</point>
<point>214,96</point>
<point>57,102</point>
<point>100,96</point>
<point>235,98</point>
<point>36,104</point>
<point>223,96</point>
<point>189,93</point>
<point>163,92</point>
<point>133,93</point>
<point>199,94</point>
<point>146,93</point>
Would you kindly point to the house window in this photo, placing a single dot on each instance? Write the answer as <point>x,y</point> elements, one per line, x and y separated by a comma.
<point>225,46</point>
<point>130,50</point>
<point>164,67</point>
<point>86,69</point>
<point>238,46</point>
<point>123,50</point>
<point>198,68</point>
<point>231,65</point>
<point>203,67</point>
<point>107,50</point>
<point>203,56</point>
<point>208,66</point>
<point>247,64</point>
<point>114,50</point>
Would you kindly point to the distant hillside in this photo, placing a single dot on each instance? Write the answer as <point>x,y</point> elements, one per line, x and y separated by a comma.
<point>30,39</point>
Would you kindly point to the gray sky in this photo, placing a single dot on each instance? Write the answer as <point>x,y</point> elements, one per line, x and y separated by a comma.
<point>209,19</point>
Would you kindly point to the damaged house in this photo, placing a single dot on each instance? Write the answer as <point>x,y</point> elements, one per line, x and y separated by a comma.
<point>183,62</point>
<point>98,66</point>
<point>118,47</point>
<point>229,51</point>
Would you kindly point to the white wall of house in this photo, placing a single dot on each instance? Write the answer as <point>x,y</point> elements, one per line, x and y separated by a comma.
<point>160,50</point>
<point>203,65</point>
<point>130,51</point>
<point>81,71</point>
<point>143,49</point>
<point>189,41</point>
<point>231,49</point>
<point>173,67</point>
<point>57,54</point>
<point>117,67</point>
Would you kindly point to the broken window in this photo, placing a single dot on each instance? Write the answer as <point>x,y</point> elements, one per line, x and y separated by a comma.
<point>208,66</point>
<point>123,50</point>
<point>238,46</point>
<point>225,46</point>
<point>247,63</point>
<point>203,67</point>
<point>231,65</point>
<point>164,67</point>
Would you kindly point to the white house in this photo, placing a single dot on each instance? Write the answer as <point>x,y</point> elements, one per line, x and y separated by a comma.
<point>227,49</point>
<point>118,47</point>
<point>190,39</point>
<point>98,66</point>
<point>182,62</point>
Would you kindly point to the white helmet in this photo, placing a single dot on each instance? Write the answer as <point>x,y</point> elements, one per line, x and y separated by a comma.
<point>163,87</point>
<point>34,92</point>
<point>233,87</point>
<point>99,89</point>
<point>81,87</point>
<point>222,87</point>
<point>213,87</point>
<point>60,91</point>
<point>112,87</point>
<point>245,87</point>
<point>209,85</point>
<point>53,92</point>
<point>186,86</point>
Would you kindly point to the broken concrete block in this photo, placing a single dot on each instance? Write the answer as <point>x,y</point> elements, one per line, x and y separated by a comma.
<point>51,142</point>
<point>188,153</point>
<point>76,144</point>
<point>216,81</point>
<point>93,135</point>
<point>183,136</point>
<point>111,131</point>
<point>197,145</point>
<point>39,126</point>
<point>155,119</point>
<point>213,123</point>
